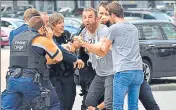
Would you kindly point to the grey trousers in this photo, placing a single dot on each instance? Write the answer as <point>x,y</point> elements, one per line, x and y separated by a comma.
<point>101,85</point>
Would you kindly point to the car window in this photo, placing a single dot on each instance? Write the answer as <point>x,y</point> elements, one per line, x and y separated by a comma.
<point>152,32</point>
<point>127,14</point>
<point>76,24</point>
<point>139,32</point>
<point>137,15</point>
<point>169,30</point>
<point>5,24</point>
<point>147,16</point>
<point>162,16</point>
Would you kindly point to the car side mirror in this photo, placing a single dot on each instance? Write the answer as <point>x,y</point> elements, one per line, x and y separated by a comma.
<point>10,26</point>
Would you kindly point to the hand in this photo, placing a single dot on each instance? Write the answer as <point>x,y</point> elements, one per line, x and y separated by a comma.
<point>49,32</point>
<point>68,47</point>
<point>91,108</point>
<point>78,39</point>
<point>79,63</point>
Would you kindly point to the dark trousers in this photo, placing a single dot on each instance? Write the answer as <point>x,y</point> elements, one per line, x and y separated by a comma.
<point>66,91</point>
<point>87,74</point>
<point>146,97</point>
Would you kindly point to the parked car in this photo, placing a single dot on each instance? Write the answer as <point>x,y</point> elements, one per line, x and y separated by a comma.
<point>4,37</point>
<point>12,23</point>
<point>148,14</point>
<point>72,24</point>
<point>157,47</point>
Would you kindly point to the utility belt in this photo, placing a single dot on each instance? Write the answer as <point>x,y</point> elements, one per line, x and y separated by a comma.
<point>19,72</point>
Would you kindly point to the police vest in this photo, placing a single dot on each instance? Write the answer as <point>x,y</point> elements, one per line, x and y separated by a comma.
<point>23,56</point>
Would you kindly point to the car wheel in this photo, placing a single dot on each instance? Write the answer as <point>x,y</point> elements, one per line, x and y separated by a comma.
<point>147,68</point>
<point>2,46</point>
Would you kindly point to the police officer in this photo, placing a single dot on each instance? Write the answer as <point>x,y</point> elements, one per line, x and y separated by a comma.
<point>27,15</point>
<point>28,73</point>
<point>62,73</point>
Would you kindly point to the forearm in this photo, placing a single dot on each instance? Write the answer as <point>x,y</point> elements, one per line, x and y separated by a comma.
<point>95,49</point>
<point>67,56</point>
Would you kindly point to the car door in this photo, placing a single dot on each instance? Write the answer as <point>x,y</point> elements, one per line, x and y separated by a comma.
<point>169,31</point>
<point>158,49</point>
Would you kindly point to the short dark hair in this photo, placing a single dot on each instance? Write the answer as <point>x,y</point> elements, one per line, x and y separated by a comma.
<point>115,8</point>
<point>36,22</point>
<point>91,9</point>
<point>102,4</point>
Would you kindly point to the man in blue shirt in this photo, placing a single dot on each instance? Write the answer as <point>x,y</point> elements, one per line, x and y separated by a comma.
<point>27,15</point>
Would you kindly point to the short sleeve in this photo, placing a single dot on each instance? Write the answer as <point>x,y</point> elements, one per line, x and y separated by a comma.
<point>103,32</point>
<point>111,33</point>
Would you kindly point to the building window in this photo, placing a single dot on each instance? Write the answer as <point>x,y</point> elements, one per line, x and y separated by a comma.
<point>82,3</point>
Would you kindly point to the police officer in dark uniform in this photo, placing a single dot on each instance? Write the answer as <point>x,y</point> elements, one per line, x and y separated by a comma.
<point>62,73</point>
<point>28,75</point>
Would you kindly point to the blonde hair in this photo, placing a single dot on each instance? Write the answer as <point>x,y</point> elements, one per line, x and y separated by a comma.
<point>29,13</point>
<point>55,18</point>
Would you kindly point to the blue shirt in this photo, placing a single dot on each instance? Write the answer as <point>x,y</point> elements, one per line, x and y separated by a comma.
<point>17,31</point>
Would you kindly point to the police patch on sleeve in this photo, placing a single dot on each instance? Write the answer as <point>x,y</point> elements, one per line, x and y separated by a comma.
<point>19,45</point>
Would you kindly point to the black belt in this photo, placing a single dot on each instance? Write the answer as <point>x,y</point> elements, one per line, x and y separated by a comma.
<point>32,75</point>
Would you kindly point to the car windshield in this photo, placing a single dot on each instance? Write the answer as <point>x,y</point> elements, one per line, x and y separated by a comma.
<point>18,23</point>
<point>162,16</point>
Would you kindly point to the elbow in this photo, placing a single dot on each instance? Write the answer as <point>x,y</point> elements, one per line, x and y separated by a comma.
<point>59,57</point>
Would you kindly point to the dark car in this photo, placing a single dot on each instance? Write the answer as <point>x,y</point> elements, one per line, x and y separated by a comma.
<point>158,47</point>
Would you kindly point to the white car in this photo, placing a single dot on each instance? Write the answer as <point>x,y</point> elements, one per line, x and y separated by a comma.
<point>12,23</point>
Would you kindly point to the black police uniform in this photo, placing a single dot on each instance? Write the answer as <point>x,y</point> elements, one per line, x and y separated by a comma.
<point>62,76</point>
<point>28,76</point>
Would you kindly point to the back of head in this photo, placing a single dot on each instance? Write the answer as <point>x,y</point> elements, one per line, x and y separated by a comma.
<point>29,13</point>
<point>115,8</point>
<point>55,18</point>
<point>36,22</point>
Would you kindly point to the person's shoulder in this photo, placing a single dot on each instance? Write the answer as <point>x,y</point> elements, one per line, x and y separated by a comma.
<point>40,38</point>
<point>20,29</point>
<point>103,27</point>
<point>66,32</point>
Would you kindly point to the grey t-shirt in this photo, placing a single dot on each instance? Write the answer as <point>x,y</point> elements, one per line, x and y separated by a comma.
<point>125,47</point>
<point>103,66</point>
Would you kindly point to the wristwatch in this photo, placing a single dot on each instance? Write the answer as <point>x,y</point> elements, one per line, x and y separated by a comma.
<point>96,108</point>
